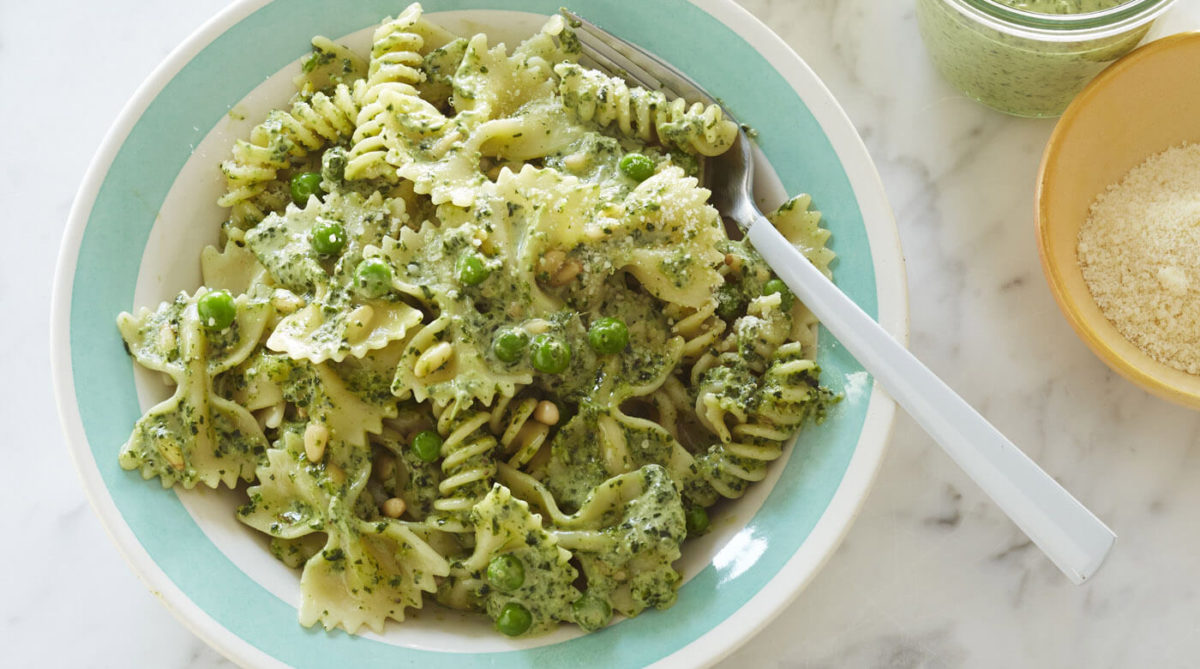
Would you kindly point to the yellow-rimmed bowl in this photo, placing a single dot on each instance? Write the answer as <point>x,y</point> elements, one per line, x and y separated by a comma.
<point>1143,104</point>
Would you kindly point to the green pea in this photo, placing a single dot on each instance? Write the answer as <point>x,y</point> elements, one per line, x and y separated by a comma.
<point>514,619</point>
<point>778,286</point>
<point>509,344</point>
<point>636,166</point>
<point>774,286</point>
<point>697,521</point>
<point>427,445</point>
<point>216,309</point>
<point>373,277</point>
<point>305,184</point>
<point>591,612</point>
<point>328,237</point>
<point>550,354</point>
<point>506,572</point>
<point>608,335</point>
<point>471,270</point>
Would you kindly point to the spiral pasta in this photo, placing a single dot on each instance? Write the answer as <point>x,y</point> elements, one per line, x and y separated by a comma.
<point>521,434</point>
<point>395,51</point>
<point>468,466</point>
<point>389,89</point>
<point>725,390</point>
<point>328,65</point>
<point>728,380</point>
<point>789,389</point>
<point>700,328</point>
<point>762,330</point>
<point>278,143</point>
<point>645,115</point>
<point>786,397</point>
<point>672,405</point>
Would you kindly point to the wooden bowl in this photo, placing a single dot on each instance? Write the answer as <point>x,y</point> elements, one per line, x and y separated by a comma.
<point>1143,104</point>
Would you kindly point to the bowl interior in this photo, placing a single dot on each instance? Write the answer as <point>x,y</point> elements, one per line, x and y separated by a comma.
<point>1144,104</point>
<point>146,209</point>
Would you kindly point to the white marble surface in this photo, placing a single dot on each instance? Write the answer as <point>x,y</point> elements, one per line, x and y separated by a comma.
<point>931,575</point>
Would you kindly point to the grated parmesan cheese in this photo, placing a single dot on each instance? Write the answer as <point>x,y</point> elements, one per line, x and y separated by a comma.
<point>1140,254</point>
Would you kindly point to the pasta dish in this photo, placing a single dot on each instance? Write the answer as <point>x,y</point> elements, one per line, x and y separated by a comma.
<point>474,332</point>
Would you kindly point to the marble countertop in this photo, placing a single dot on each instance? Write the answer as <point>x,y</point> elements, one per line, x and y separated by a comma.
<point>931,575</point>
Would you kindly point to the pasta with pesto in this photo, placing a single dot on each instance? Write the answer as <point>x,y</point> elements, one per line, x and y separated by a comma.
<point>474,335</point>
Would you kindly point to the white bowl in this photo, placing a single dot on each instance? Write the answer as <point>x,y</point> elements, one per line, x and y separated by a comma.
<point>147,205</point>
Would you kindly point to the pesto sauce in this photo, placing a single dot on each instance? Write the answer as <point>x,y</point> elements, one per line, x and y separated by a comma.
<point>1063,6</point>
<point>1019,75</point>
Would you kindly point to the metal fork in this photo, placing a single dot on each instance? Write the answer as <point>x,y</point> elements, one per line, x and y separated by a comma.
<point>1070,535</point>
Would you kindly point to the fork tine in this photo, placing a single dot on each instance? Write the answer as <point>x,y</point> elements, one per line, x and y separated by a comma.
<point>644,68</point>
<point>596,56</point>
<point>615,62</point>
<point>616,67</point>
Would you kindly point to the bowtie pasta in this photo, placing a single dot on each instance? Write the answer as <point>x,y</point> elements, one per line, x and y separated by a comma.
<point>475,332</point>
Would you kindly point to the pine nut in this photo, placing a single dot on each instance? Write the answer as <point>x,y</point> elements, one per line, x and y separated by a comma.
<point>315,437</point>
<point>567,274</point>
<point>166,338</point>
<point>537,326</point>
<point>270,417</point>
<point>394,507</point>
<point>546,413</point>
<point>285,301</point>
<point>576,162</point>
<point>433,359</point>
<point>553,261</point>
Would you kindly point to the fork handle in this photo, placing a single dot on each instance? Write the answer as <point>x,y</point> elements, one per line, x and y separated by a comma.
<point>1070,535</point>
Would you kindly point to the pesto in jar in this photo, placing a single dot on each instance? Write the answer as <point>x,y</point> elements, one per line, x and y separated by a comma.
<point>1062,6</point>
<point>1026,67</point>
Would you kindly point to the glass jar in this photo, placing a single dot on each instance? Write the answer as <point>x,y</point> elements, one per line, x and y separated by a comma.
<point>1027,63</point>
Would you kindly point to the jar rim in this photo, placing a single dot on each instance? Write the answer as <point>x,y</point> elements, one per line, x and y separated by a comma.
<point>1063,27</point>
